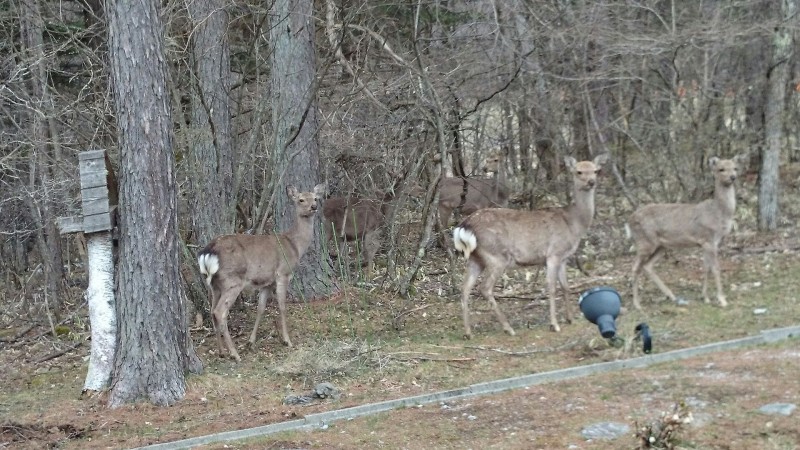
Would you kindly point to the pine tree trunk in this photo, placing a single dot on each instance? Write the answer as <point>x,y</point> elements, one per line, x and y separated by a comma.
<point>296,125</point>
<point>778,77</point>
<point>153,348</point>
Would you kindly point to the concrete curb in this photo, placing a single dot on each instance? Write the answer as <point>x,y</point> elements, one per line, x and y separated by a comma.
<point>319,420</point>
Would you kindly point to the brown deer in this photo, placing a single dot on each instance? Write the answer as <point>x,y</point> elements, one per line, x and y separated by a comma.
<point>495,239</point>
<point>234,262</point>
<point>353,218</point>
<point>482,192</point>
<point>661,226</point>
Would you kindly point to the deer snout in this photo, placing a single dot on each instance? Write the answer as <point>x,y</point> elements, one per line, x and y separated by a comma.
<point>590,184</point>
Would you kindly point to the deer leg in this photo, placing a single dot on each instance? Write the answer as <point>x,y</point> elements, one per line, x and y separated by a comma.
<point>220,317</point>
<point>648,269</point>
<point>372,242</point>
<point>474,270</point>
<point>281,288</point>
<point>562,280</point>
<point>487,289</point>
<point>644,252</point>
<point>444,220</point>
<point>711,260</point>
<point>263,295</point>
<point>552,275</point>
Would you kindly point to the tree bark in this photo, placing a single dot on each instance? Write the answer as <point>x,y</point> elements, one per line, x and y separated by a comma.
<point>211,203</point>
<point>102,313</point>
<point>296,125</point>
<point>777,78</point>
<point>153,347</point>
<point>41,133</point>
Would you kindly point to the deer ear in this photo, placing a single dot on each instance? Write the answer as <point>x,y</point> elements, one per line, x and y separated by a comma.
<point>319,190</point>
<point>601,159</point>
<point>570,162</point>
<point>712,162</point>
<point>742,159</point>
<point>291,191</point>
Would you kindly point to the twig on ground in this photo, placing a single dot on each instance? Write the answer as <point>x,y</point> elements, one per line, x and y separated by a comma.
<point>524,352</point>
<point>58,353</point>
<point>405,313</point>
<point>18,335</point>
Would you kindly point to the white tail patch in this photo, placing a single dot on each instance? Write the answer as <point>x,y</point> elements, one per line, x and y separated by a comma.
<point>209,265</point>
<point>464,240</point>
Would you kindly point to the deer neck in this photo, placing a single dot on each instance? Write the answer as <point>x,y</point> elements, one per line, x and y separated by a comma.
<point>301,232</point>
<point>725,197</point>
<point>581,211</point>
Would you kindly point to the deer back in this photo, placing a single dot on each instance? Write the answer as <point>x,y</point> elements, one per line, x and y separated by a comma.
<point>253,260</point>
<point>481,193</point>
<point>522,237</point>
<point>689,224</point>
<point>352,217</point>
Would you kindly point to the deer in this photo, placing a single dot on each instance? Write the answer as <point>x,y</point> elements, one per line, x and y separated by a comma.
<point>234,262</point>
<point>660,226</point>
<point>354,218</point>
<point>481,192</point>
<point>495,239</point>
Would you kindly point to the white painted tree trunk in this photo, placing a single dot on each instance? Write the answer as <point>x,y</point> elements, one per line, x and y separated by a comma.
<point>102,311</point>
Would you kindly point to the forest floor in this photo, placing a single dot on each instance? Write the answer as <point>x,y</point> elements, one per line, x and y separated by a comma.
<point>375,346</point>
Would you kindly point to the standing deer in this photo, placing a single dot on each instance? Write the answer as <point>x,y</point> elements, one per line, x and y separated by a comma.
<point>495,239</point>
<point>234,262</point>
<point>657,227</point>
<point>354,218</point>
<point>481,192</point>
<point>350,219</point>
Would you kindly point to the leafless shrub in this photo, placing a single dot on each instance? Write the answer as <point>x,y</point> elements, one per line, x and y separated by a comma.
<point>662,433</point>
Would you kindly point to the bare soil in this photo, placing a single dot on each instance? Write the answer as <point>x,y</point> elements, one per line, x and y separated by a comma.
<point>375,346</point>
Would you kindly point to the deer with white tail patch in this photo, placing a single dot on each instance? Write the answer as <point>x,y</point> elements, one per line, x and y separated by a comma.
<point>495,239</point>
<point>234,262</point>
<point>660,226</point>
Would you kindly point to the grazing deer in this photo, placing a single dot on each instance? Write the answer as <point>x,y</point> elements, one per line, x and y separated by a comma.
<point>657,227</point>
<point>234,262</point>
<point>495,239</point>
<point>481,192</point>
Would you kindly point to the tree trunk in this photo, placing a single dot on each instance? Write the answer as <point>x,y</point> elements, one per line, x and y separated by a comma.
<point>211,180</point>
<point>777,77</point>
<point>212,204</point>
<point>102,314</point>
<point>296,124</point>
<point>153,348</point>
<point>41,183</point>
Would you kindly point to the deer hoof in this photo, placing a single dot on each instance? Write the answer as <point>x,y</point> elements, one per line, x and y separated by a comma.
<point>510,331</point>
<point>467,336</point>
<point>554,327</point>
<point>723,303</point>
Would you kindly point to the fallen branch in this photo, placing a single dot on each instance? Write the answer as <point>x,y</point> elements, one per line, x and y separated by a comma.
<point>58,353</point>
<point>525,352</point>
<point>405,313</point>
<point>18,335</point>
